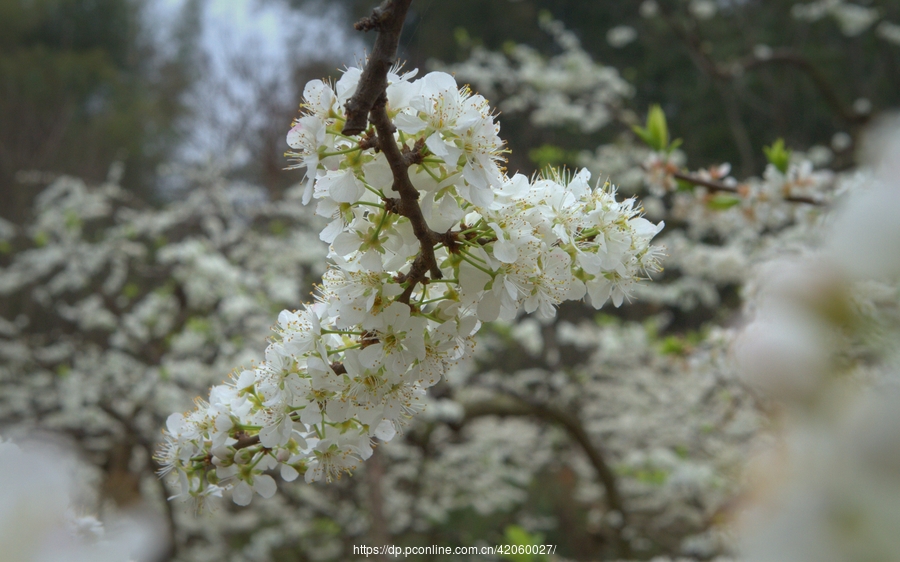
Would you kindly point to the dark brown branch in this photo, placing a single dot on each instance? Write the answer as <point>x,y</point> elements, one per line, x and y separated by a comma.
<point>511,405</point>
<point>408,206</point>
<point>387,19</point>
<point>724,74</point>
<point>369,104</point>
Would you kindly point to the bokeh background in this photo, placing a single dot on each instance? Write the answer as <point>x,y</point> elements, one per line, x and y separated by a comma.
<point>149,236</point>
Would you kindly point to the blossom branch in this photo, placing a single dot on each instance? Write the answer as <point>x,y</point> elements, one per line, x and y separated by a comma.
<point>353,365</point>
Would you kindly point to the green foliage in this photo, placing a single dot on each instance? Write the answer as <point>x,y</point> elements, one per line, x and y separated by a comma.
<point>681,344</point>
<point>778,155</point>
<point>723,201</point>
<point>518,536</point>
<point>656,133</point>
<point>462,37</point>
<point>672,345</point>
<point>199,324</point>
<point>684,185</point>
<point>278,228</point>
<point>550,156</point>
<point>131,290</point>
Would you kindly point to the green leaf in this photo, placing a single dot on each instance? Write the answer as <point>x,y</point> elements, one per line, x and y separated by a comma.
<point>198,324</point>
<point>278,228</point>
<point>656,133</point>
<point>672,345</point>
<point>462,37</point>
<point>643,134</point>
<point>131,290</point>
<point>72,220</point>
<point>722,201</point>
<point>657,128</point>
<point>550,155</point>
<point>518,536</point>
<point>684,185</point>
<point>778,155</point>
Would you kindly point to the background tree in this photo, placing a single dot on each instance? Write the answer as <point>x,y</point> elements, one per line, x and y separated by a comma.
<point>84,84</point>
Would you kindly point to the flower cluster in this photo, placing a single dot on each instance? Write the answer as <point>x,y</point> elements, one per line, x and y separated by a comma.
<point>353,365</point>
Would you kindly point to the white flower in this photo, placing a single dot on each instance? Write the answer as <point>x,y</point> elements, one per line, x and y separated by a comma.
<point>400,340</point>
<point>319,99</point>
<point>333,456</point>
<point>300,330</point>
<point>620,36</point>
<point>262,484</point>
<point>306,136</point>
<point>342,186</point>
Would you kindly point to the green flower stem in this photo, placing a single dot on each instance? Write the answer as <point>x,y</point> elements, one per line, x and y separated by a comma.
<point>377,192</point>
<point>474,257</point>
<point>431,173</point>
<point>339,152</point>
<point>474,264</point>
<point>380,225</point>
<point>589,233</point>
<point>340,349</point>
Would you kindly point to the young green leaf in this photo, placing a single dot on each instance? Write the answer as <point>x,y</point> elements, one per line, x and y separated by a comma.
<point>778,155</point>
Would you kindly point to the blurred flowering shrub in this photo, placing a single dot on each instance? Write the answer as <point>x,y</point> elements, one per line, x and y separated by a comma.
<point>636,423</point>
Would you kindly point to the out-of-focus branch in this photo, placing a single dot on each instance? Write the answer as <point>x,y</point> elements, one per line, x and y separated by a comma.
<point>513,405</point>
<point>708,66</point>
<point>134,435</point>
<point>378,529</point>
<point>387,19</point>
<point>724,75</point>
<point>719,186</point>
<point>798,61</point>
<point>732,71</point>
